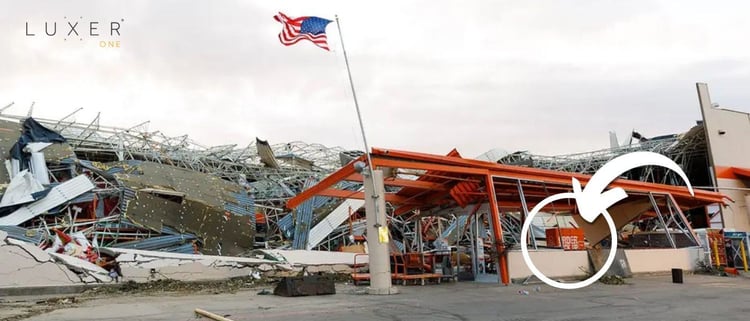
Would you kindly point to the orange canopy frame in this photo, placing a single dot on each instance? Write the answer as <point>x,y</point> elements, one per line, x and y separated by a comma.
<point>452,181</point>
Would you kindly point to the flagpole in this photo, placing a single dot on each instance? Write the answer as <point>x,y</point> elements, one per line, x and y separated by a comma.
<point>359,114</point>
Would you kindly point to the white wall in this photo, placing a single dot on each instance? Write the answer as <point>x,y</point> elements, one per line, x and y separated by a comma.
<point>663,260</point>
<point>558,263</point>
<point>553,263</point>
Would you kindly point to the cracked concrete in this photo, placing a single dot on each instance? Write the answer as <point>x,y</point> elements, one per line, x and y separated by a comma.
<point>25,265</point>
<point>19,268</point>
<point>38,254</point>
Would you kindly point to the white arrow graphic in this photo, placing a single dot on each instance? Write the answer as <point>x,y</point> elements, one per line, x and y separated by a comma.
<point>593,201</point>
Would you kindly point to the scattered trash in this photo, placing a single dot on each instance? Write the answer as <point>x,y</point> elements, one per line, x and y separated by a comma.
<point>537,289</point>
<point>523,292</point>
<point>612,280</point>
<point>265,292</point>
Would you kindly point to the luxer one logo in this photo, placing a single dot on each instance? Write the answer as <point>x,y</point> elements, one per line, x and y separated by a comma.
<point>593,201</point>
<point>77,29</point>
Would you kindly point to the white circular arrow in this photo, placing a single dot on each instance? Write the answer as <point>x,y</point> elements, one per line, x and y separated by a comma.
<point>593,201</point>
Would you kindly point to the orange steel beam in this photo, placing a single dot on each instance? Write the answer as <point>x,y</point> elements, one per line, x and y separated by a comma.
<point>401,210</point>
<point>327,182</point>
<point>400,182</point>
<point>385,162</point>
<point>340,193</point>
<point>497,229</point>
<point>546,176</point>
<point>516,205</point>
<point>460,179</point>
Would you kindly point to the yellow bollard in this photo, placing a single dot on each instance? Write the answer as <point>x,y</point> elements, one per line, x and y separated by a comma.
<point>716,253</point>
<point>742,251</point>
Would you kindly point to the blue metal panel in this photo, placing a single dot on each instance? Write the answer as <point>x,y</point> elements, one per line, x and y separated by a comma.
<point>245,205</point>
<point>399,245</point>
<point>168,230</point>
<point>183,249</point>
<point>84,198</point>
<point>304,215</point>
<point>22,234</point>
<point>286,225</point>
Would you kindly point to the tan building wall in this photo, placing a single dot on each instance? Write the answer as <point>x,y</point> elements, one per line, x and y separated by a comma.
<point>557,263</point>
<point>553,263</point>
<point>728,137</point>
<point>663,260</point>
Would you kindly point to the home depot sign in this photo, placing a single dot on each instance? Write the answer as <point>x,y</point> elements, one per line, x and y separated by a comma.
<point>566,238</point>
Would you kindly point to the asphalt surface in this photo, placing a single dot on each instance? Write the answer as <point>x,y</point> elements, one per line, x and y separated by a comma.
<point>643,298</point>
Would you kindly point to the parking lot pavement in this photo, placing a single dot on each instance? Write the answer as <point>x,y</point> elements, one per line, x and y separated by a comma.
<point>642,298</point>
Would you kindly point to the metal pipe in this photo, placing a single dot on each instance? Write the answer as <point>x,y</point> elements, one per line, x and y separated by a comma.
<point>661,219</point>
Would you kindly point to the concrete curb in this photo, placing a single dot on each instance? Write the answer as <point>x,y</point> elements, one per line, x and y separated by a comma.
<point>50,289</point>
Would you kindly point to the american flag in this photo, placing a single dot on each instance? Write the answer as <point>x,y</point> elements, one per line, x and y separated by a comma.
<point>303,28</point>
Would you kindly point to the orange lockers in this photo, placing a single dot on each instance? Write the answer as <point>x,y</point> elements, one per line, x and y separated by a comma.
<point>572,238</point>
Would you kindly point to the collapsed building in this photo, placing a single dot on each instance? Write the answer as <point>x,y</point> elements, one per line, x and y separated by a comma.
<point>131,188</point>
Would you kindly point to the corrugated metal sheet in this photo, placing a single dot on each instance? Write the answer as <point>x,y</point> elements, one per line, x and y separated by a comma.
<point>266,153</point>
<point>157,243</point>
<point>57,196</point>
<point>245,205</point>
<point>22,234</point>
<point>304,217</point>
<point>85,198</point>
<point>168,230</point>
<point>183,249</point>
<point>399,245</point>
<point>339,215</point>
<point>128,194</point>
<point>286,225</point>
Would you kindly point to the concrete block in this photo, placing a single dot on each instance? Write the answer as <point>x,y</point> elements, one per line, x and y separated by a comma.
<point>37,253</point>
<point>157,264</point>
<point>78,265</point>
<point>136,274</point>
<point>319,269</point>
<point>341,268</point>
<point>127,257</point>
<point>265,267</point>
<point>206,262</point>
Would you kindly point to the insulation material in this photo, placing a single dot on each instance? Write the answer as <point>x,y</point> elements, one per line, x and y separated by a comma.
<point>39,168</point>
<point>20,189</point>
<point>221,234</point>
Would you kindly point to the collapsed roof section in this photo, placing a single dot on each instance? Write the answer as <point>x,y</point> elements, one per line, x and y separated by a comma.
<point>451,182</point>
<point>279,169</point>
<point>141,174</point>
<point>119,202</point>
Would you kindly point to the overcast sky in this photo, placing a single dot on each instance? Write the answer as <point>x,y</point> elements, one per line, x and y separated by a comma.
<point>552,77</point>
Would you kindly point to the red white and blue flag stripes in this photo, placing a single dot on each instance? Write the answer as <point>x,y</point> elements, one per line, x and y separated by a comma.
<point>303,28</point>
